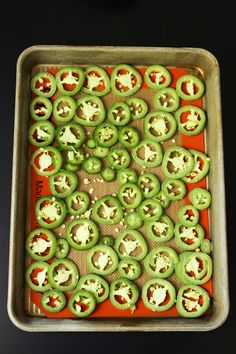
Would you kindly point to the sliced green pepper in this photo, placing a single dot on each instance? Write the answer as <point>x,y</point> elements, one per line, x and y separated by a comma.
<point>188,215</point>
<point>173,188</point>
<point>119,114</point>
<point>36,276</point>
<point>75,157</point>
<point>97,81</point>
<point>157,77</point>
<point>40,108</point>
<point>191,120</point>
<point>200,169</point>
<point>41,133</point>
<point>70,80</point>
<point>148,153</point>
<point>125,80</point>
<point>118,158</point>
<point>108,174</point>
<point>129,137</point>
<point>53,301</point>
<point>123,294</point>
<point>129,195</point>
<point>70,136</point>
<point>189,238</point>
<point>82,234</point>
<point>158,294</point>
<point>131,243</point>
<point>62,248</point>
<point>100,151</point>
<point>189,87</point>
<point>177,162</point>
<point>91,144</point>
<point>200,198</point>
<point>150,209</point>
<point>41,244</point>
<point>166,100</point>
<point>162,198</point>
<point>159,126</point>
<point>63,274</point>
<point>129,268</point>
<point>102,260</point>
<point>50,212</point>
<point>77,202</point>
<point>82,303</point>
<point>105,135</point>
<point>64,109</point>
<point>138,107</point>
<point>161,261</point>
<point>206,246</point>
<point>71,168</point>
<point>92,165</point>
<point>108,240</point>
<point>46,161</point>
<point>192,301</point>
<point>127,175</point>
<point>90,111</point>
<point>63,183</point>
<point>161,230</point>
<point>133,220</point>
<point>107,210</point>
<point>43,84</point>
<point>149,184</point>
<point>96,285</point>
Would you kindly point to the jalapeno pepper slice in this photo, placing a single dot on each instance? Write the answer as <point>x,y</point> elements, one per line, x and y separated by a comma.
<point>129,268</point>
<point>91,143</point>
<point>200,169</point>
<point>63,274</point>
<point>200,198</point>
<point>41,244</point>
<point>82,303</point>
<point>107,210</point>
<point>96,285</point>
<point>118,158</point>
<point>133,220</point>
<point>105,135</point>
<point>71,168</point>
<point>191,120</point>
<point>75,157</point>
<point>131,243</point>
<point>129,195</point>
<point>124,294</point>
<point>161,261</point>
<point>161,230</point>
<point>148,153</point>
<point>166,100</point>
<point>173,188</point>
<point>53,301</point>
<point>102,260</point>
<point>149,184</point>
<point>92,165</point>
<point>70,80</point>
<point>127,175</point>
<point>100,151</point>
<point>108,240</point>
<point>194,267</point>
<point>150,209</point>
<point>82,234</point>
<point>190,87</point>
<point>125,80</point>
<point>40,108</point>
<point>119,114</point>
<point>70,136</point>
<point>46,161</point>
<point>192,301</point>
<point>108,174</point>
<point>41,133</point>
<point>159,126</point>
<point>158,295</point>
<point>43,84</point>
<point>162,198</point>
<point>137,106</point>
<point>50,212</point>
<point>206,246</point>
<point>62,249</point>
<point>188,215</point>
<point>177,162</point>
<point>63,183</point>
<point>157,77</point>
<point>64,109</point>
<point>36,276</point>
<point>97,81</point>
<point>129,137</point>
<point>77,202</point>
<point>90,111</point>
<point>189,238</point>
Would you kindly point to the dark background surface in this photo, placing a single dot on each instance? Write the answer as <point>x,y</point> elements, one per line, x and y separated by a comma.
<point>204,24</point>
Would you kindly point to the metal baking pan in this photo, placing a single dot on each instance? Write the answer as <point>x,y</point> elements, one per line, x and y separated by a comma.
<point>106,55</point>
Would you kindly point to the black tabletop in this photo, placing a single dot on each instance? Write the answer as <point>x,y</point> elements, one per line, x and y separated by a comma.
<point>141,23</point>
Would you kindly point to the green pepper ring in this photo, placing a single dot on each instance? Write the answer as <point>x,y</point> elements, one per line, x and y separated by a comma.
<point>82,246</point>
<point>45,107</point>
<point>163,272</point>
<point>187,162</point>
<point>127,175</point>
<point>115,203</point>
<point>157,151</point>
<point>159,69</point>
<point>145,214</point>
<point>60,207</point>
<point>78,295</point>
<point>138,237</point>
<point>105,79</point>
<point>161,116</point>
<point>78,84</point>
<point>185,246</point>
<point>129,137</point>
<point>66,127</point>
<point>92,165</point>
<point>133,297</point>
<point>169,187</point>
<point>127,262</point>
<point>52,248</point>
<point>29,270</point>
<point>181,125</point>
<point>104,249</point>
<point>83,199</point>
<point>73,277</point>
<point>105,135</point>
<point>69,102</point>
<point>184,217</point>
<point>56,160</point>
<point>190,178</point>
<point>196,81</point>
<point>121,109</point>
<point>121,153</point>
<point>46,299</point>
<point>133,72</point>
<point>41,76</point>
<point>149,178</point>
<point>99,108</point>
<point>138,107</point>
<point>62,249</point>
<point>50,130</point>
<point>71,185</point>
<point>200,198</point>
<point>136,199</point>
<point>133,220</point>
<point>168,229</point>
<point>90,278</point>
<point>163,93</point>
